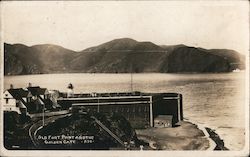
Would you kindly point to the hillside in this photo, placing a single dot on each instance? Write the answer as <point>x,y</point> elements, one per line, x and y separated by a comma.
<point>190,59</point>
<point>21,59</point>
<point>123,55</point>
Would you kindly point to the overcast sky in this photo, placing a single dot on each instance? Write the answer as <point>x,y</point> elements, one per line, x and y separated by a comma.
<point>78,25</point>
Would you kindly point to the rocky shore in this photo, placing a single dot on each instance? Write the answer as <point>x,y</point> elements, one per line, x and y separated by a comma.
<point>216,138</point>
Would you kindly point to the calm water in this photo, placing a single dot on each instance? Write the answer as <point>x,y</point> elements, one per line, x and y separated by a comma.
<point>215,100</point>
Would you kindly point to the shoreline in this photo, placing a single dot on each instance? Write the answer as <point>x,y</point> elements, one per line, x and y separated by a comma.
<point>91,73</point>
<point>212,143</point>
<point>215,141</point>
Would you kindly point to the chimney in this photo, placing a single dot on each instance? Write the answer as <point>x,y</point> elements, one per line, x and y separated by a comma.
<point>11,86</point>
<point>29,85</point>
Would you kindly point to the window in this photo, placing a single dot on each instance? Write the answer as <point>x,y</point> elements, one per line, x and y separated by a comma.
<point>7,101</point>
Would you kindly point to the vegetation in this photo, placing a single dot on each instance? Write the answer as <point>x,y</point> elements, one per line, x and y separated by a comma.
<point>16,131</point>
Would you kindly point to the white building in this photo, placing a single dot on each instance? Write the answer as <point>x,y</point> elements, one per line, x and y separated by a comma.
<point>16,100</point>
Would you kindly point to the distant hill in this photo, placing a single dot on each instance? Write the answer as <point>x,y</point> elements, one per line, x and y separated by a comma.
<point>21,59</point>
<point>123,55</point>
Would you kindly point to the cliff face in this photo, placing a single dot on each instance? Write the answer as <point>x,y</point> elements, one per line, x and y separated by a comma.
<point>118,56</point>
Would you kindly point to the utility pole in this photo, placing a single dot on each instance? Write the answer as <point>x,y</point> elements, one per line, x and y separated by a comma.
<point>131,77</point>
<point>98,107</point>
<point>43,113</point>
<point>131,82</point>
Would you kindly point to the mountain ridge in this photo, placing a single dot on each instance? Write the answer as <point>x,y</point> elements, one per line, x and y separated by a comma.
<point>124,55</point>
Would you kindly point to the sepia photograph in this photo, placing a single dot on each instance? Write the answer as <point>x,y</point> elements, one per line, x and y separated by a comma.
<point>124,78</point>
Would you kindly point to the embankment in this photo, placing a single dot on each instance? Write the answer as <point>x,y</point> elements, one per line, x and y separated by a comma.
<point>184,136</point>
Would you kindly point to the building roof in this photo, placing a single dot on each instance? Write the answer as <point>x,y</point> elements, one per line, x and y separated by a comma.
<point>21,105</point>
<point>19,93</point>
<point>37,90</point>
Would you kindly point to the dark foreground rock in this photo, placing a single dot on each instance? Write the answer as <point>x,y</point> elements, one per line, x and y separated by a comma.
<point>81,131</point>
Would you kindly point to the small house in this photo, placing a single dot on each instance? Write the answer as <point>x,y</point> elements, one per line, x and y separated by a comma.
<point>163,121</point>
<point>16,100</point>
<point>40,97</point>
<point>39,93</point>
